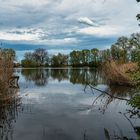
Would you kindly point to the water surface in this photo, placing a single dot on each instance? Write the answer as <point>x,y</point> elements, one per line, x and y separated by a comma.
<point>63,104</point>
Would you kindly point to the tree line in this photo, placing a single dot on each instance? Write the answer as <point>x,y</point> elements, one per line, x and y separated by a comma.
<point>124,50</point>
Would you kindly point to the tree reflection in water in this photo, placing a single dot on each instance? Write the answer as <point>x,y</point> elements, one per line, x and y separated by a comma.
<point>90,79</point>
<point>39,76</point>
<point>59,74</point>
<point>75,76</point>
<point>9,105</point>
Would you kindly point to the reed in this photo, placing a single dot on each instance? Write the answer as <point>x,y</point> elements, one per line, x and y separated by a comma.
<point>117,74</point>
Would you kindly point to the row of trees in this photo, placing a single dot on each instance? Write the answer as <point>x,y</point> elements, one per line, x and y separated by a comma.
<point>40,58</point>
<point>123,51</point>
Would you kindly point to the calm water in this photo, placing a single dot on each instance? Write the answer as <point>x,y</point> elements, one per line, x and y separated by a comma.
<point>62,104</point>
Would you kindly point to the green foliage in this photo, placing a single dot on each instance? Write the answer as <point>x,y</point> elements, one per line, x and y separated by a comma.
<point>29,63</point>
<point>136,77</point>
<point>123,51</point>
<point>59,60</point>
<point>95,54</point>
<point>119,50</point>
<point>135,43</point>
<point>105,55</point>
<point>84,57</point>
<point>136,56</point>
<point>76,57</point>
<point>35,59</point>
<point>135,101</point>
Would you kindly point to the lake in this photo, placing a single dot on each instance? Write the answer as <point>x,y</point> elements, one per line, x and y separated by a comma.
<point>68,104</point>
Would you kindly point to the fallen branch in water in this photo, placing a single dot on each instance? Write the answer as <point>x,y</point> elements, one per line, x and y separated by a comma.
<point>108,93</point>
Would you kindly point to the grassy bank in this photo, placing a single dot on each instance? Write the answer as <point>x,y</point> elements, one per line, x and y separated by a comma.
<point>121,74</point>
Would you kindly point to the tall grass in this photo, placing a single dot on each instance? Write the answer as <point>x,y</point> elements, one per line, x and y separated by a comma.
<point>9,100</point>
<point>117,74</point>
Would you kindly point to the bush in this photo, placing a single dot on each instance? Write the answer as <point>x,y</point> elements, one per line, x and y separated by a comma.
<point>135,101</point>
<point>28,63</point>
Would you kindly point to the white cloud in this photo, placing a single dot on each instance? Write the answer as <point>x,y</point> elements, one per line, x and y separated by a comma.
<point>58,20</point>
<point>35,36</point>
<point>17,37</point>
<point>28,34</point>
<point>63,41</point>
<point>100,31</point>
<point>34,3</point>
<point>87,21</point>
<point>56,51</point>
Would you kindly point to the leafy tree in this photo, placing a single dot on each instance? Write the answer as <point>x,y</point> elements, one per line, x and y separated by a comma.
<point>123,43</point>
<point>135,42</point>
<point>85,56</point>
<point>59,60</point>
<point>95,53</point>
<point>29,56</point>
<point>40,56</point>
<point>105,55</point>
<point>119,50</point>
<point>35,59</point>
<point>115,52</point>
<point>74,58</point>
<point>28,63</point>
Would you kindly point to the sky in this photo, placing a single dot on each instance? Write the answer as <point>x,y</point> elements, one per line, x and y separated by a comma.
<point>65,25</point>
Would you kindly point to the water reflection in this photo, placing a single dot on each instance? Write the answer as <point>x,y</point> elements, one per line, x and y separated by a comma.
<point>69,104</point>
<point>75,76</point>
<point>116,95</point>
<point>39,76</point>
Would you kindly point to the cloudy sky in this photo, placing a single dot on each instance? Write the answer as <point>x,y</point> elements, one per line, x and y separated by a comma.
<point>65,25</point>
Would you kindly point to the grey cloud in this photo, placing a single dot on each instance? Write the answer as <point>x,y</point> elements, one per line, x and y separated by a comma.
<point>58,18</point>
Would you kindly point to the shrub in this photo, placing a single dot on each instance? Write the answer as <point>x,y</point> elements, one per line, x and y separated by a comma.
<point>28,63</point>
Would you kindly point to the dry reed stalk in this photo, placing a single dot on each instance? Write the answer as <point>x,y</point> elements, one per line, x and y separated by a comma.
<point>117,73</point>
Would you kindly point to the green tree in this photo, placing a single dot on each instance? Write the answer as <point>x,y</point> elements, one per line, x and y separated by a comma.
<point>59,60</point>
<point>75,58</point>
<point>135,43</point>
<point>115,52</point>
<point>95,53</point>
<point>28,63</point>
<point>85,56</point>
<point>120,49</point>
<point>105,55</point>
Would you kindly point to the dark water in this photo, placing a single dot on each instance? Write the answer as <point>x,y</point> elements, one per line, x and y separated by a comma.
<point>62,104</point>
